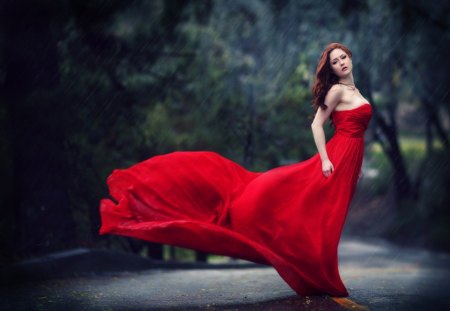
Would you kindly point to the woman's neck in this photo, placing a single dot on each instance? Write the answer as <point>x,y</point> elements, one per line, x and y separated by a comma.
<point>347,80</point>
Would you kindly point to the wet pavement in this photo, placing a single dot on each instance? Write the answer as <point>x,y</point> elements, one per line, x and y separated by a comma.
<point>378,275</point>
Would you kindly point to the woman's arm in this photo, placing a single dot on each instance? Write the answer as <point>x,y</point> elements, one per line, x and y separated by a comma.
<point>332,98</point>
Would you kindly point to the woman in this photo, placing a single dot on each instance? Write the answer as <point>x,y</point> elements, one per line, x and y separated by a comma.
<point>290,217</point>
<point>334,89</point>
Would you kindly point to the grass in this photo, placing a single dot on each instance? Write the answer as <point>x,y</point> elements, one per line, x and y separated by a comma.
<point>410,144</point>
<point>417,144</point>
<point>413,149</point>
<point>181,254</point>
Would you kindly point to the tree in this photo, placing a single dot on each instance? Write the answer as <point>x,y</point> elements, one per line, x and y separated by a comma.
<point>39,195</point>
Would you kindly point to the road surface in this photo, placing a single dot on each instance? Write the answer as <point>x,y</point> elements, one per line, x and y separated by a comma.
<point>378,275</point>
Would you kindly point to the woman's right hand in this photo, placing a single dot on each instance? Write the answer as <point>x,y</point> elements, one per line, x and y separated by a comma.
<point>327,167</point>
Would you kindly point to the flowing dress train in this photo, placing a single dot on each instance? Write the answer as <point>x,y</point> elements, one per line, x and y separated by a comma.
<point>290,217</point>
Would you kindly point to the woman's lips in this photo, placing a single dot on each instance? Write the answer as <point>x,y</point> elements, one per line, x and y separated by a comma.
<point>344,69</point>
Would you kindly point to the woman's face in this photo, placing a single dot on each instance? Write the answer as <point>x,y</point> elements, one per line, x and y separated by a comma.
<point>340,62</point>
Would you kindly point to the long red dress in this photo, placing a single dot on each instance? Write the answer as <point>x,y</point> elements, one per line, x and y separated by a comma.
<point>290,217</point>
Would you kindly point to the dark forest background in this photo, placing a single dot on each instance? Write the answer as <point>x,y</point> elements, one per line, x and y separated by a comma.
<point>90,86</point>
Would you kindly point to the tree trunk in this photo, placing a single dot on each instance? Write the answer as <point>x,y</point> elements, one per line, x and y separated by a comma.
<point>43,220</point>
<point>201,257</point>
<point>249,140</point>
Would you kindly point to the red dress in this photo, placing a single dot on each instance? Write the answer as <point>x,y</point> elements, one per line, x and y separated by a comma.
<point>290,217</point>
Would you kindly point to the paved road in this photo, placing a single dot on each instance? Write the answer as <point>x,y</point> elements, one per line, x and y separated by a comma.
<point>379,276</point>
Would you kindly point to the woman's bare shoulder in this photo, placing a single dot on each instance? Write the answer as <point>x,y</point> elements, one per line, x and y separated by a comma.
<point>336,88</point>
<point>335,93</point>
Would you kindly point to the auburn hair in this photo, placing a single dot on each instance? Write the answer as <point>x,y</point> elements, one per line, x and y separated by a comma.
<point>325,77</point>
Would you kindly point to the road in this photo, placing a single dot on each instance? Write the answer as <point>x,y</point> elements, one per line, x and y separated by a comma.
<point>378,275</point>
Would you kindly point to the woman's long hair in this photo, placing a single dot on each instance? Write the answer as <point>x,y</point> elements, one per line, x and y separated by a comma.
<point>325,77</point>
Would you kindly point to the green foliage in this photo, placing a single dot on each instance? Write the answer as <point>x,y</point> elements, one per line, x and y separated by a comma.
<point>140,78</point>
<point>414,151</point>
<point>379,162</point>
<point>284,129</point>
<point>178,253</point>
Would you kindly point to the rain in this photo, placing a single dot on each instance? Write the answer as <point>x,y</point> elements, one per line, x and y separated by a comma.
<point>93,86</point>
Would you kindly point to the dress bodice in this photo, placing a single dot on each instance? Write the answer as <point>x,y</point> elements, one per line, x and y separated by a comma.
<point>352,122</point>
